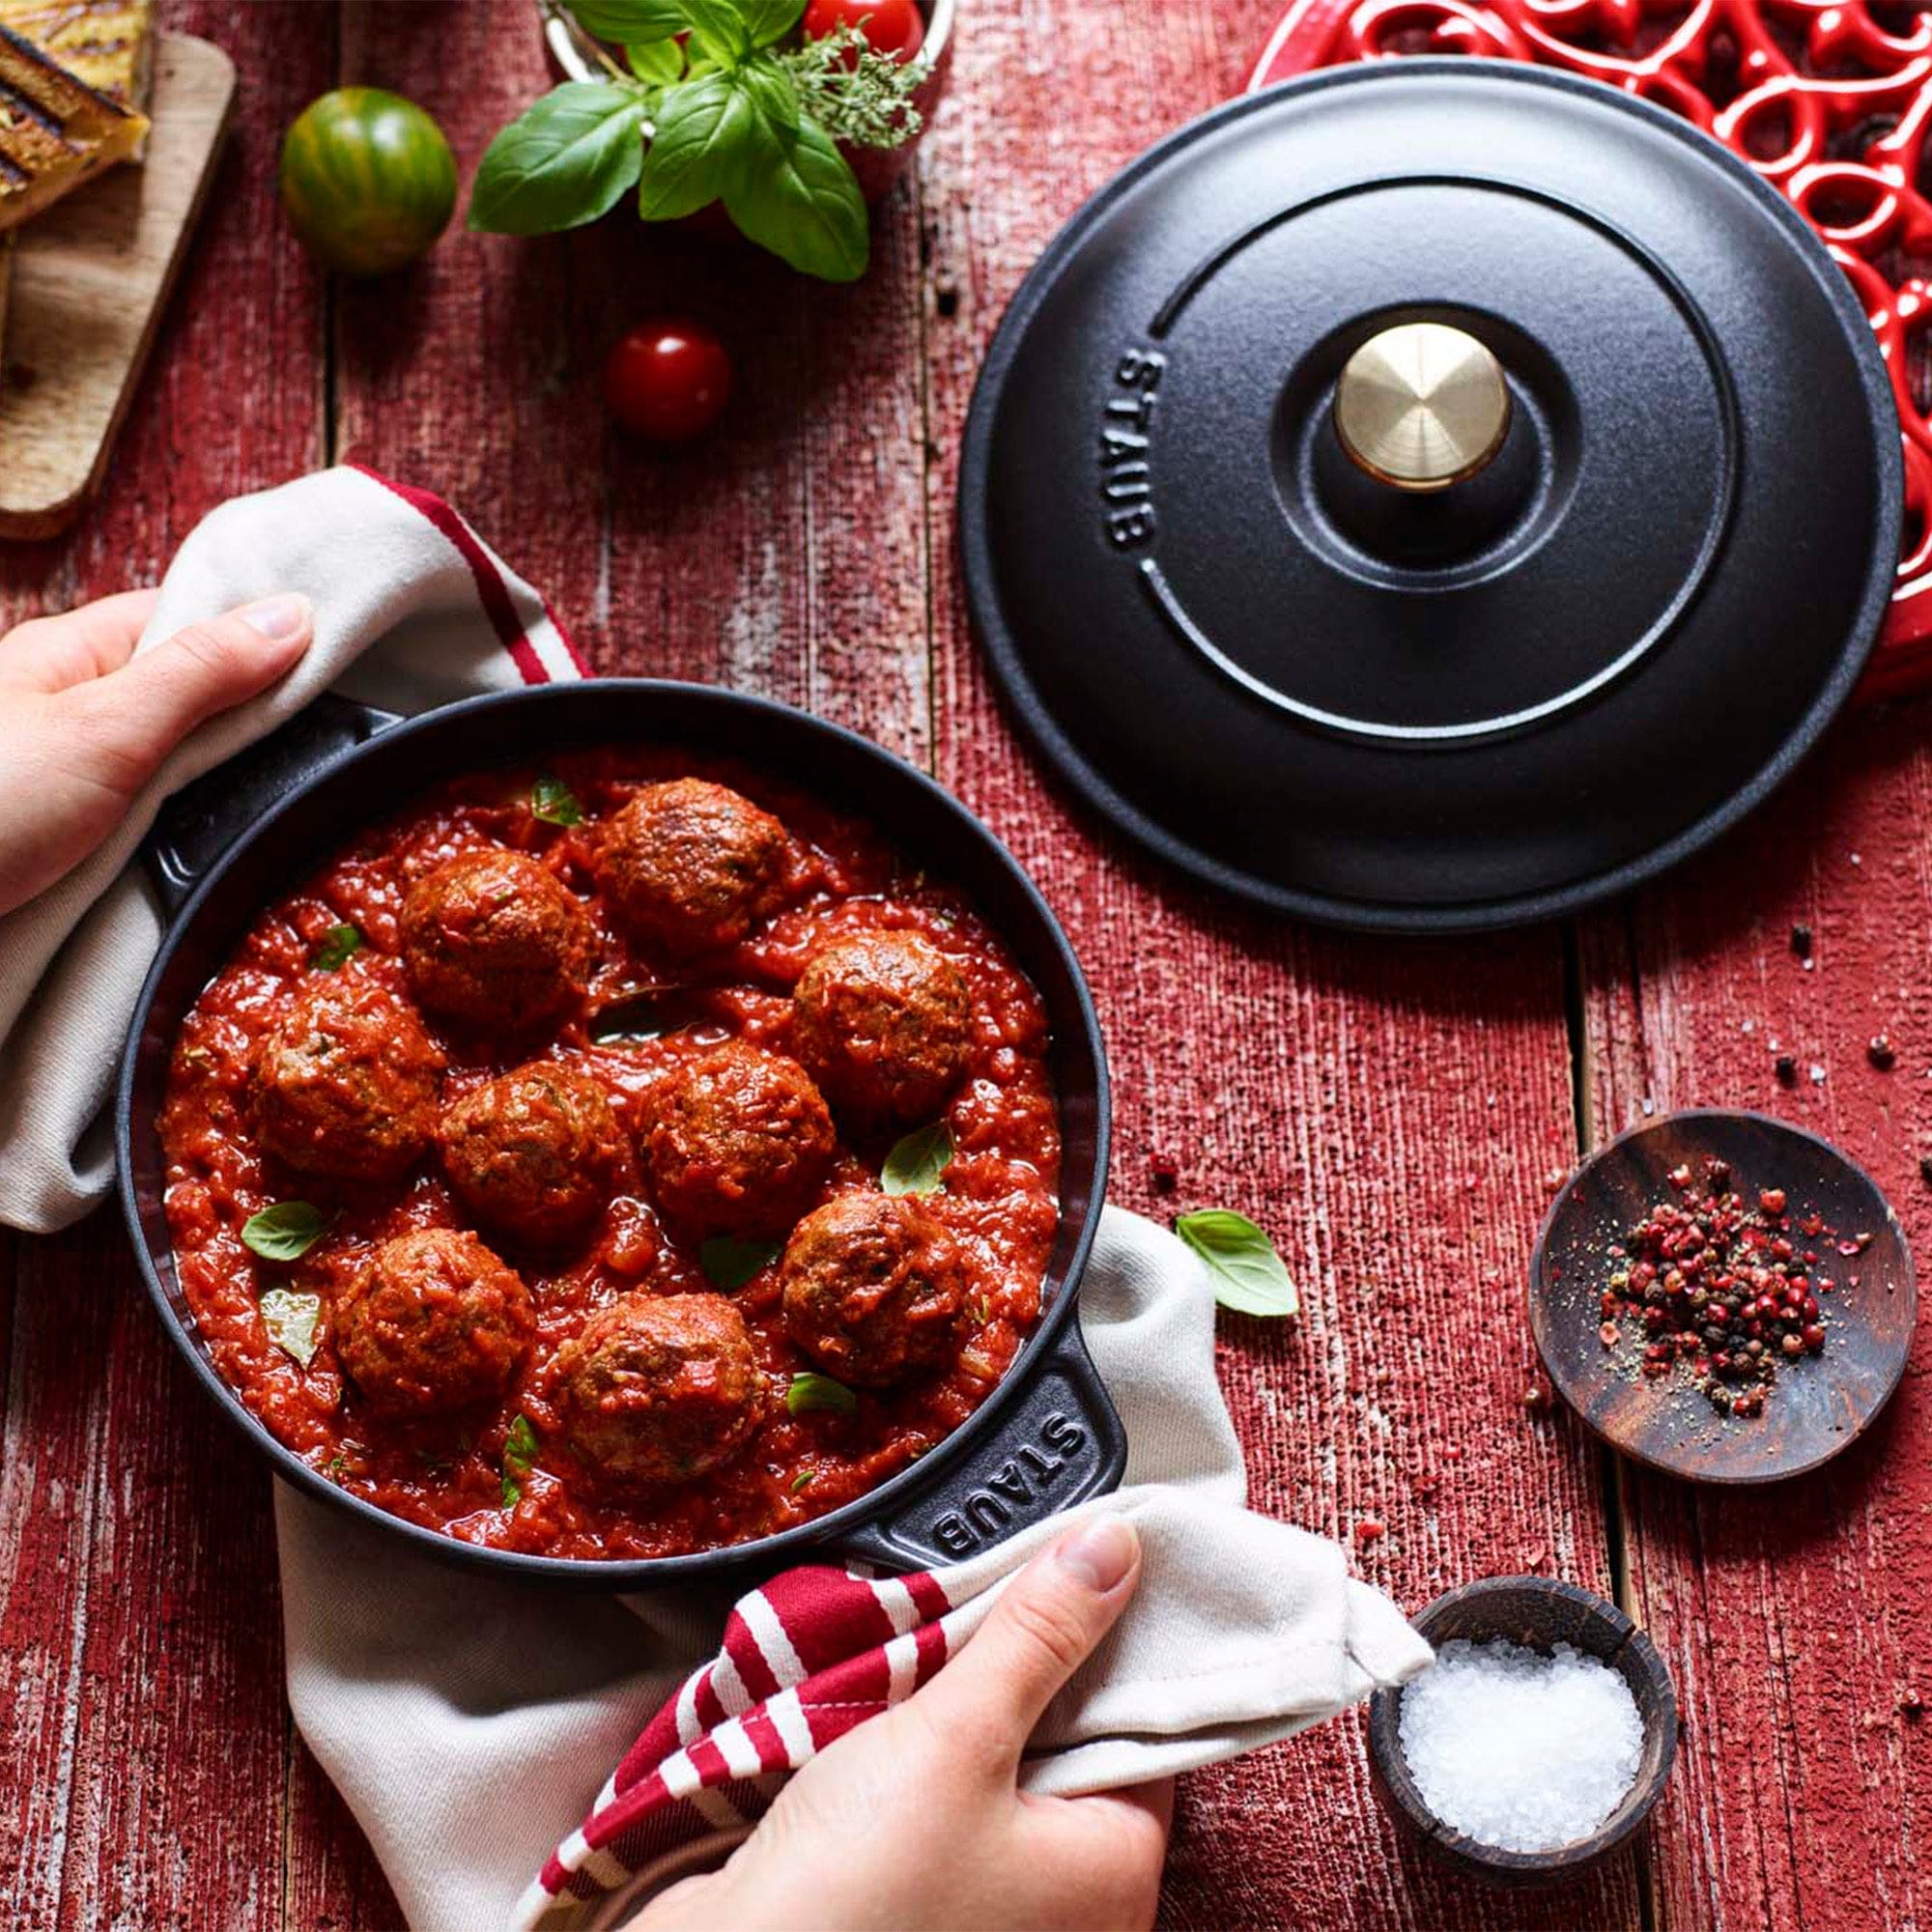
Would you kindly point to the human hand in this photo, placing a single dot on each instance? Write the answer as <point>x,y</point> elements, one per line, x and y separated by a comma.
<point>84,723</point>
<point>915,1822</point>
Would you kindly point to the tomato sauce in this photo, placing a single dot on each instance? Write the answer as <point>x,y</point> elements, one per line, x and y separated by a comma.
<point>448,1473</point>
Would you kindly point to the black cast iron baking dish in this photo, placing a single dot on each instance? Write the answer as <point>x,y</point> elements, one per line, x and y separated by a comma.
<point>1045,1438</point>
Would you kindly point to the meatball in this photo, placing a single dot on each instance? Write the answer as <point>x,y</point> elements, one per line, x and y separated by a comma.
<point>882,1021</point>
<point>495,939</point>
<point>434,1323</point>
<point>347,1085</point>
<point>535,1152</point>
<point>692,866</point>
<point>740,1144</point>
<point>656,1389</point>
<point>873,1287</point>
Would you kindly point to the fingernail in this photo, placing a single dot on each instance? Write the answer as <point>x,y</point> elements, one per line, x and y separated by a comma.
<point>1099,1552</point>
<point>279,617</point>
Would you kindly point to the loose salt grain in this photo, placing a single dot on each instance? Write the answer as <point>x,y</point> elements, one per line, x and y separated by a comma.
<point>1520,1751</point>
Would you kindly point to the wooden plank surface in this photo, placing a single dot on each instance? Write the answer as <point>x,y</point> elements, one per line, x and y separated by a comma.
<point>1392,1112</point>
<point>142,1744</point>
<point>1797,1622</point>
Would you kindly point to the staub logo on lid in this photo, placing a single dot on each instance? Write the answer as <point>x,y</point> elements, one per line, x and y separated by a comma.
<point>1126,437</point>
<point>1017,1490</point>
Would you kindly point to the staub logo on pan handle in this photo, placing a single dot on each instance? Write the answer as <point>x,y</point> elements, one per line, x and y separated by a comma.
<point>1057,1447</point>
<point>1020,1491</point>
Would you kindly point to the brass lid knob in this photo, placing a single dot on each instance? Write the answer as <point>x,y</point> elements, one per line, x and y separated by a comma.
<point>1422,405</point>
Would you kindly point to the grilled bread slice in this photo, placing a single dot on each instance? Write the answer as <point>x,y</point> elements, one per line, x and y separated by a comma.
<point>55,131</point>
<point>106,44</point>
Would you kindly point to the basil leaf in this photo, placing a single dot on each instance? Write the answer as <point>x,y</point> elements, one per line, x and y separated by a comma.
<point>720,28</point>
<point>796,196</point>
<point>769,21</point>
<point>562,163</point>
<point>647,1013</point>
<point>659,63</point>
<point>285,1232</point>
<point>520,1452</point>
<point>1247,1272</point>
<point>799,1481</point>
<point>770,90</point>
<point>331,954</point>
<point>810,1391</point>
<point>633,22</point>
<point>292,1319</point>
<point>729,1263</point>
<point>554,803</point>
<point>696,149</point>
<point>918,1164</point>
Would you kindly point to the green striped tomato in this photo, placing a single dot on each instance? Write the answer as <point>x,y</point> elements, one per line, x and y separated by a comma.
<point>368,180</point>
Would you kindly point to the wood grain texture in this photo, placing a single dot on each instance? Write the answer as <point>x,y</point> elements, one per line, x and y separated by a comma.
<point>142,1749</point>
<point>1797,1623</point>
<point>91,278</point>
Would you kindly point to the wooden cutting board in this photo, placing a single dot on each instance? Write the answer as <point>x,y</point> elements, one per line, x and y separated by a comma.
<point>89,280</point>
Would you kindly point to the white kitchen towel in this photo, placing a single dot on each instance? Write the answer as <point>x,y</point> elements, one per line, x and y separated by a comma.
<point>473,1724</point>
<point>413,610</point>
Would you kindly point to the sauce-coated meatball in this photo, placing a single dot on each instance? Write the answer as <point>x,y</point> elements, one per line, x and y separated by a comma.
<point>873,1287</point>
<point>536,1152</point>
<point>740,1142</point>
<point>692,866</point>
<point>347,1085</point>
<point>434,1323</point>
<point>882,1021</point>
<point>495,939</point>
<point>656,1389</point>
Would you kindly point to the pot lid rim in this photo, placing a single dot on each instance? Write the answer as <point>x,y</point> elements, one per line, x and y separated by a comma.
<point>1071,764</point>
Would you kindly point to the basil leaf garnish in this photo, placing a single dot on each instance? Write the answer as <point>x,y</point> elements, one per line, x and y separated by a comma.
<point>630,21</point>
<point>520,1452</point>
<point>333,952</point>
<point>562,163</point>
<point>285,1232</point>
<point>1247,1274</point>
<point>918,1164</point>
<point>729,1263</point>
<point>554,803</point>
<point>769,21</point>
<point>647,1014</point>
<point>696,147</point>
<point>809,1390</point>
<point>795,195</point>
<point>291,1320</point>
<point>718,28</point>
<point>657,63</point>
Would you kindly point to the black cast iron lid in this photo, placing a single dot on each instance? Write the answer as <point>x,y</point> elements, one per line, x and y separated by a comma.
<point>1485,702</point>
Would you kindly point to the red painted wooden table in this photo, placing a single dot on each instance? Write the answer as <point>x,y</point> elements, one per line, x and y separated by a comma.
<point>1396,1113</point>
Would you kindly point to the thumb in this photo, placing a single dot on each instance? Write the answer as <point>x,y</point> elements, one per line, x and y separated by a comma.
<point>1045,1625</point>
<point>136,716</point>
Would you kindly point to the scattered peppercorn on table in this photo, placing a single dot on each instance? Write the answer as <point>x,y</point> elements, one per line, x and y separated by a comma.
<point>1397,1114</point>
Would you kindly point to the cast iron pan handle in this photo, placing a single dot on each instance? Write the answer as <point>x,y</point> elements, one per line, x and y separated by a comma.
<point>1059,1443</point>
<point>203,820</point>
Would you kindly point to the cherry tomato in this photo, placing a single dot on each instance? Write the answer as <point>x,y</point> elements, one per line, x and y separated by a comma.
<point>667,380</point>
<point>893,26</point>
<point>367,179</point>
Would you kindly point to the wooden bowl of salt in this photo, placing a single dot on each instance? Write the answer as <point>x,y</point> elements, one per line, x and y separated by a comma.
<point>1539,1740</point>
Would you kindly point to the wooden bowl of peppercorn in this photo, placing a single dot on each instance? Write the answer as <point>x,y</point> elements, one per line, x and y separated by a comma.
<point>1537,1613</point>
<point>1723,1296</point>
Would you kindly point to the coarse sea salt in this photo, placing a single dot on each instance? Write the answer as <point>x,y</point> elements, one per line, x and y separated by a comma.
<point>1520,1751</point>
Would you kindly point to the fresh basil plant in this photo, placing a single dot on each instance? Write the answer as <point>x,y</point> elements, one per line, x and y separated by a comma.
<point>714,100</point>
